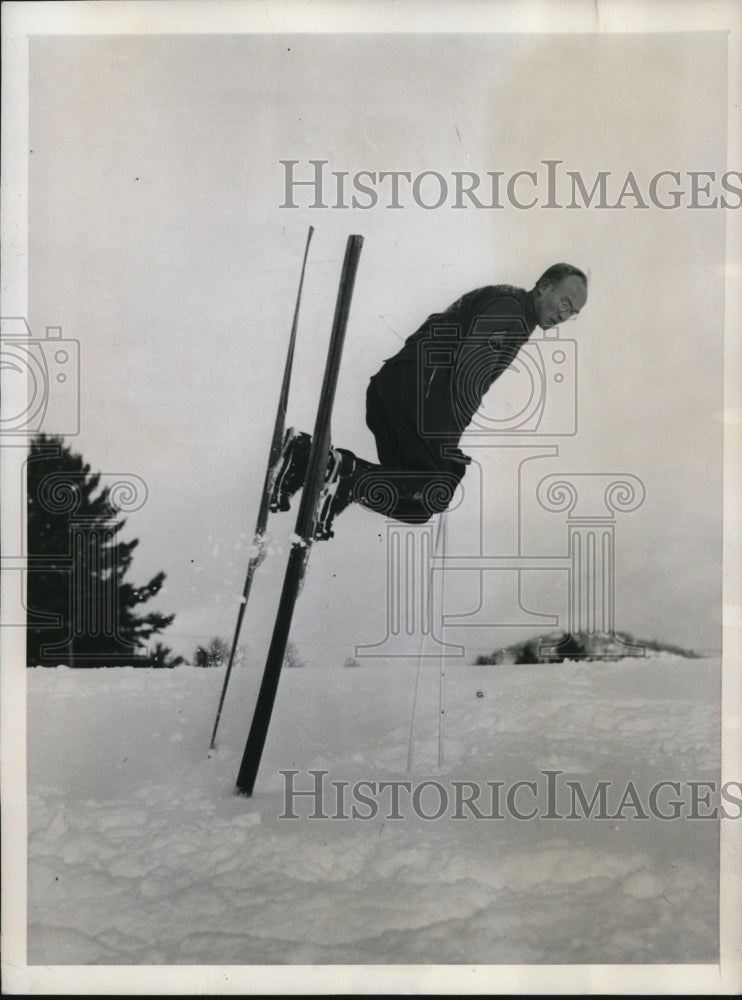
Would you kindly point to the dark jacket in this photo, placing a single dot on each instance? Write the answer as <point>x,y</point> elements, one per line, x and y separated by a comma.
<point>448,364</point>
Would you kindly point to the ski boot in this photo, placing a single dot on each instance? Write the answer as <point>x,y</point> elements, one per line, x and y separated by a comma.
<point>291,474</point>
<point>337,492</point>
<point>291,469</point>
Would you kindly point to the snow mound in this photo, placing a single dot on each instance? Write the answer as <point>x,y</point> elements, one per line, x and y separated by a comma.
<point>140,852</point>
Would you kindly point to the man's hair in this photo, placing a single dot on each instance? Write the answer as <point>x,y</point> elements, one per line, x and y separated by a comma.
<point>557,272</point>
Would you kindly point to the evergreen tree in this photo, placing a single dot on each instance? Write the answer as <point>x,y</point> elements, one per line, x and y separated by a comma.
<point>214,655</point>
<point>81,610</point>
<point>161,656</point>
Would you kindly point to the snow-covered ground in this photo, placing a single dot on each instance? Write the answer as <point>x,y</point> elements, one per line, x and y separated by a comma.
<point>140,852</point>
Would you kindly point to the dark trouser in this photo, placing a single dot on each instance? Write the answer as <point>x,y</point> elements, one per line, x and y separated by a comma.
<point>418,473</point>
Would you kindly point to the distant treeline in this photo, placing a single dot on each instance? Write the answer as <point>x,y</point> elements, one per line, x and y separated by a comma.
<point>560,646</point>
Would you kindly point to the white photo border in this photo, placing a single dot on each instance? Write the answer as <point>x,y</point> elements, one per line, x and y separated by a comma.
<point>25,19</point>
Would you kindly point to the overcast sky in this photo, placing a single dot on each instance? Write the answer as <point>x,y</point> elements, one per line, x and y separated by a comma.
<point>157,240</point>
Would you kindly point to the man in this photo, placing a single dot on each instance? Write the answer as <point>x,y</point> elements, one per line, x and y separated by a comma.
<point>422,400</point>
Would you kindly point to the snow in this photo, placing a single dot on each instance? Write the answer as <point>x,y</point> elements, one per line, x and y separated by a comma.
<point>140,852</point>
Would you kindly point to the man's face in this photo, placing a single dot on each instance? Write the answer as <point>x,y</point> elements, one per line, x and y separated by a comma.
<point>556,302</point>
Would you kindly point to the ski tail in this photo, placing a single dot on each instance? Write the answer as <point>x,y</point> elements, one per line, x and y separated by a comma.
<point>317,466</point>
<point>305,522</point>
<point>259,539</point>
<point>280,421</point>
